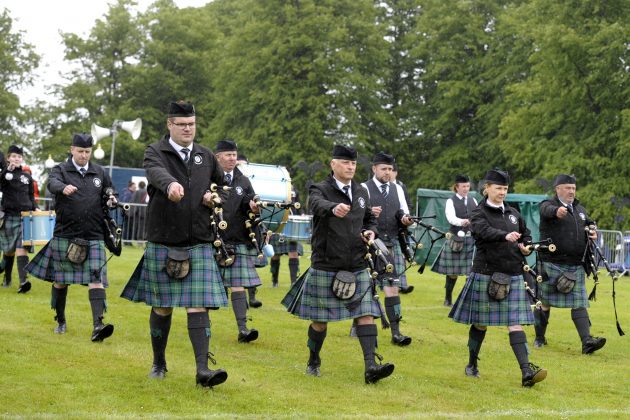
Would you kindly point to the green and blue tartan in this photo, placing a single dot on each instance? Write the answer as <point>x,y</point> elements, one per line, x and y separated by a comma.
<point>201,288</point>
<point>11,234</point>
<point>243,272</point>
<point>474,305</point>
<point>455,263</point>
<point>318,303</point>
<point>51,264</point>
<point>576,298</point>
<point>399,267</point>
<point>284,246</point>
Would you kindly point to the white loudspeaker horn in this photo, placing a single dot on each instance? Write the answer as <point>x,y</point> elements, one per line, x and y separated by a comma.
<point>132,127</point>
<point>99,132</point>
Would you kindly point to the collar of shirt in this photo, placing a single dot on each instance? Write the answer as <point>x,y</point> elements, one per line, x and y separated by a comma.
<point>564,204</point>
<point>500,206</point>
<point>231,174</point>
<point>179,148</point>
<point>341,184</point>
<point>79,167</point>
<point>379,183</point>
<point>461,197</point>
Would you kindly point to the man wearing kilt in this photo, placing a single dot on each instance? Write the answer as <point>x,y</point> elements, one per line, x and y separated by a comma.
<point>241,274</point>
<point>178,268</point>
<point>494,293</point>
<point>342,222</point>
<point>76,253</point>
<point>390,208</point>
<point>455,257</point>
<point>17,196</point>
<point>565,221</point>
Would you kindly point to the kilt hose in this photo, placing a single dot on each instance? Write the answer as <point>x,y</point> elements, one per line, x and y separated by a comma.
<point>399,267</point>
<point>314,300</point>
<point>549,295</point>
<point>282,245</point>
<point>201,288</point>
<point>242,273</point>
<point>51,264</point>
<point>11,234</point>
<point>474,306</point>
<point>455,263</point>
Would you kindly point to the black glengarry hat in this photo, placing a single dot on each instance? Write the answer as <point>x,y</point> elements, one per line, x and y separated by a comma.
<point>225,146</point>
<point>563,179</point>
<point>384,158</point>
<point>15,149</point>
<point>496,176</point>
<point>460,179</point>
<point>344,152</point>
<point>181,109</point>
<point>82,140</point>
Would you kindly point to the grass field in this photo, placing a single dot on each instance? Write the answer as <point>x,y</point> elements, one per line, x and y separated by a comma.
<point>43,375</point>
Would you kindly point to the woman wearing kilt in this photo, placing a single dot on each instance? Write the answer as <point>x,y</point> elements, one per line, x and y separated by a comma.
<point>565,221</point>
<point>76,253</point>
<point>178,268</point>
<point>494,293</point>
<point>341,215</point>
<point>241,274</point>
<point>455,257</point>
<point>17,196</point>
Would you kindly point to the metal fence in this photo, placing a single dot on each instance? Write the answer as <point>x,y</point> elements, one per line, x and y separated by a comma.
<point>616,249</point>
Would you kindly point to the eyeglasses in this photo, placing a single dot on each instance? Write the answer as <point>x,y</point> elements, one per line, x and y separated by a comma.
<point>184,125</point>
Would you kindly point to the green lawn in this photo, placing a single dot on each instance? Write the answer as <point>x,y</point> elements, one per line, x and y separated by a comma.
<point>43,375</point>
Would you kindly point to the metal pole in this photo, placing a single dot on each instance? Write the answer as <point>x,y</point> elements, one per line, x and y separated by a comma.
<point>111,157</point>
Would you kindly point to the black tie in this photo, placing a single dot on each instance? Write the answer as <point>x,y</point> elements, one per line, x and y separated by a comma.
<point>185,151</point>
<point>83,171</point>
<point>228,179</point>
<point>346,189</point>
<point>384,190</point>
<point>570,207</point>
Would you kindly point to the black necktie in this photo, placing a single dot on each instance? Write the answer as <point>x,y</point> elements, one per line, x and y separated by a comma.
<point>185,151</point>
<point>83,171</point>
<point>570,207</point>
<point>228,179</point>
<point>384,190</point>
<point>346,189</point>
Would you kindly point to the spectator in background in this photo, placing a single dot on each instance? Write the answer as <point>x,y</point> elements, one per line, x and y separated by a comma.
<point>125,197</point>
<point>139,211</point>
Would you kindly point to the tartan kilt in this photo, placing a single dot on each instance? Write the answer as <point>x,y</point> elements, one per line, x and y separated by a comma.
<point>201,288</point>
<point>260,262</point>
<point>51,264</point>
<point>455,263</point>
<point>283,246</point>
<point>318,303</point>
<point>11,233</point>
<point>474,306</point>
<point>243,272</point>
<point>399,267</point>
<point>576,298</point>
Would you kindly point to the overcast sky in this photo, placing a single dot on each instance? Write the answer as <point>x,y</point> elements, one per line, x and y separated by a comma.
<point>41,20</point>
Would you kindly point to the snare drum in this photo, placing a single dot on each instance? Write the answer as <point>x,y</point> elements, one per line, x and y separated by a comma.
<point>299,227</point>
<point>271,183</point>
<point>37,227</point>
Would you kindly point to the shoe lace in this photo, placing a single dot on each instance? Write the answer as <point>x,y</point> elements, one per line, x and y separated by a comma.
<point>211,358</point>
<point>379,357</point>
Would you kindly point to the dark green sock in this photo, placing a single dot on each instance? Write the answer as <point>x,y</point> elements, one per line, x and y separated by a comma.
<point>199,334</point>
<point>97,303</point>
<point>367,338</point>
<point>315,344</point>
<point>475,339</point>
<point>518,341</point>
<point>582,322</point>
<point>160,326</point>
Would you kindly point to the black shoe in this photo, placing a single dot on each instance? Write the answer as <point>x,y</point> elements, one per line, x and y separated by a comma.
<point>245,336</point>
<point>471,371</point>
<point>448,303</point>
<point>592,344</point>
<point>255,303</point>
<point>274,284</point>
<point>313,370</point>
<point>60,328</point>
<point>540,342</point>
<point>401,340</point>
<point>102,331</point>
<point>375,373</point>
<point>210,378</point>
<point>532,374</point>
<point>406,290</point>
<point>158,372</point>
<point>24,287</point>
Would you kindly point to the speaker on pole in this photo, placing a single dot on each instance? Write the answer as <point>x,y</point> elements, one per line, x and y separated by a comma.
<point>132,127</point>
<point>99,132</point>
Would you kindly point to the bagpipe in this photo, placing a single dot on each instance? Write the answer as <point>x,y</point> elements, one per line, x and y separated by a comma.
<point>592,259</point>
<point>407,240</point>
<point>224,255</point>
<point>257,232</point>
<point>273,211</point>
<point>532,289</point>
<point>113,232</point>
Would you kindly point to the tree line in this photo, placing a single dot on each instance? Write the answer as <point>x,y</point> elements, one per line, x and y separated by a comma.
<point>529,86</point>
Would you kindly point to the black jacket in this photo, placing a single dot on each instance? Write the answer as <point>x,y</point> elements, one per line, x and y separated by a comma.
<point>568,233</point>
<point>188,222</point>
<point>79,215</point>
<point>336,242</point>
<point>17,191</point>
<point>236,209</point>
<point>494,253</point>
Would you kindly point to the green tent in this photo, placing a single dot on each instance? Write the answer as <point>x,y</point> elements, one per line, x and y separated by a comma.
<point>431,204</point>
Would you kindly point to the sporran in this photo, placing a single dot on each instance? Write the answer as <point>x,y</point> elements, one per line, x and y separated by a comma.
<point>177,263</point>
<point>344,285</point>
<point>499,286</point>
<point>77,250</point>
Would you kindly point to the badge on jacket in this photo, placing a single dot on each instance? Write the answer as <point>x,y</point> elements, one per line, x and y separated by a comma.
<point>362,202</point>
<point>97,182</point>
<point>513,219</point>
